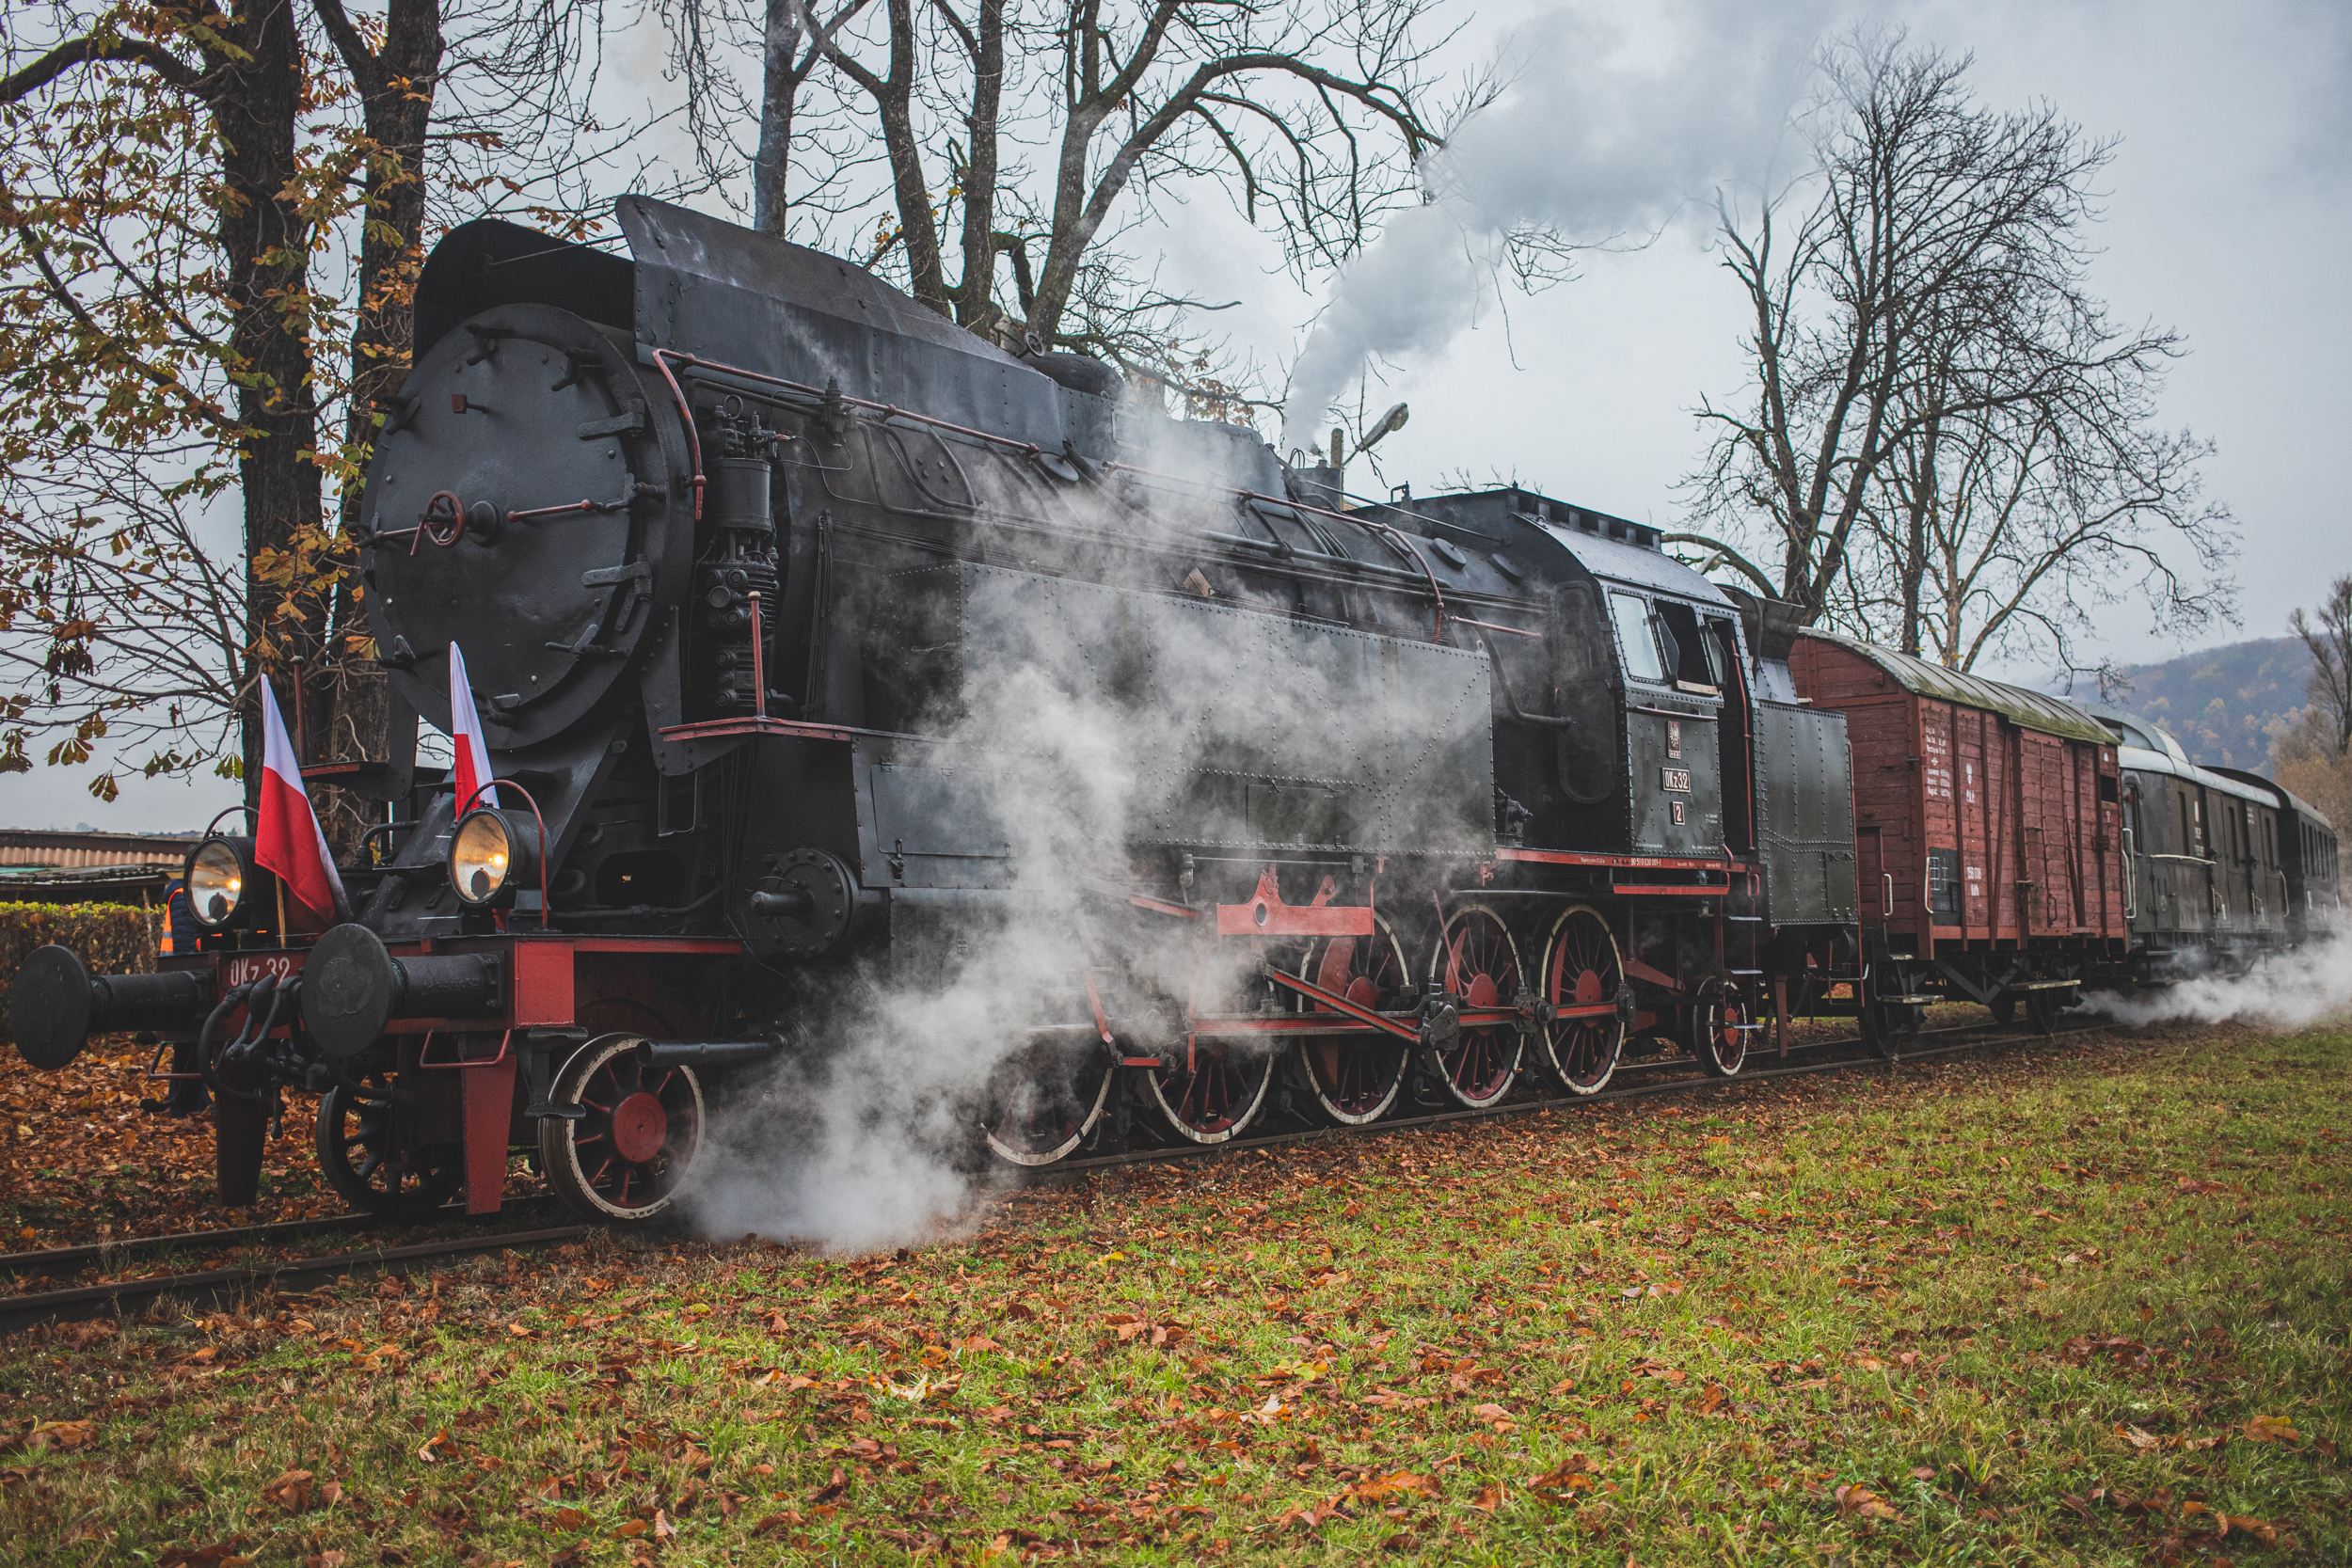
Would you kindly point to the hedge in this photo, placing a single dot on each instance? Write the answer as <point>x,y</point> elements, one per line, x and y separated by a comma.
<point>112,939</point>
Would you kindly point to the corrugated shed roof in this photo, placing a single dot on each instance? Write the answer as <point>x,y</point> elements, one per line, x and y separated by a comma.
<point>58,849</point>
<point>2032,710</point>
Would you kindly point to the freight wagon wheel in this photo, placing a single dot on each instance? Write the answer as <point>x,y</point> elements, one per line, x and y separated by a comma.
<point>2041,1011</point>
<point>1477,961</point>
<point>1718,1038</point>
<point>2003,1009</point>
<point>367,1156</point>
<point>1355,1078</point>
<point>1582,970</point>
<point>1216,1091</point>
<point>1888,1027</point>
<point>1043,1100</point>
<point>622,1161</point>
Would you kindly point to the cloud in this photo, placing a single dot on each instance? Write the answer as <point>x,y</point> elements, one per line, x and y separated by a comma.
<point>1608,130</point>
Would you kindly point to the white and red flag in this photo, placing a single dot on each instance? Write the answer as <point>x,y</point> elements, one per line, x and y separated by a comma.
<point>288,839</point>
<point>465,734</point>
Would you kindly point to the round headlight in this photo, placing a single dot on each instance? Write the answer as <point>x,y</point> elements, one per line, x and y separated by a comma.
<point>480,857</point>
<point>216,882</point>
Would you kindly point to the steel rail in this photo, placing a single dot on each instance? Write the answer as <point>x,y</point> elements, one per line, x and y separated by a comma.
<point>52,1258</point>
<point>1167,1154</point>
<point>300,1273</point>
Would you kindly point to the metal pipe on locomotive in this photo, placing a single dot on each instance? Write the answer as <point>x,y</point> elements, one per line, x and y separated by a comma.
<point>731,532</point>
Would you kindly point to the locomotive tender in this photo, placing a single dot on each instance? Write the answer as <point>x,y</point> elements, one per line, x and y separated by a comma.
<point>823,647</point>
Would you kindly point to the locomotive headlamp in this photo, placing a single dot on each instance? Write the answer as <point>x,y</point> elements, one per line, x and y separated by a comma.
<point>219,875</point>
<point>490,856</point>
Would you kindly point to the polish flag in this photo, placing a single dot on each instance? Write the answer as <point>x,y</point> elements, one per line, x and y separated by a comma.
<point>288,839</point>
<point>465,733</point>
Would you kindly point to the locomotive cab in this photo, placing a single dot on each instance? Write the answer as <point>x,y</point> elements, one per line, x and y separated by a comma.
<point>1622,728</point>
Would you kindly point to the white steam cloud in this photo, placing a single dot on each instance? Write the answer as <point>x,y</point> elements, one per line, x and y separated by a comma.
<point>2283,991</point>
<point>1612,125</point>
<point>1082,718</point>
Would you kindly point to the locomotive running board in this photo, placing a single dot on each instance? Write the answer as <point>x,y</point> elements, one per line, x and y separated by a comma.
<point>1266,915</point>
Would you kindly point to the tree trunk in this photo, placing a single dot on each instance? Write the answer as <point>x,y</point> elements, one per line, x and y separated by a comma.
<point>397,85</point>
<point>1068,247</point>
<point>976,291</point>
<point>918,231</point>
<point>257,99</point>
<point>779,88</point>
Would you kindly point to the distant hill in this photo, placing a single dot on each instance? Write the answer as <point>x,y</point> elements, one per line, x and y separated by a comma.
<point>2223,704</point>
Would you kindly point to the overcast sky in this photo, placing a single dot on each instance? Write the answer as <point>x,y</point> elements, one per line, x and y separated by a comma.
<point>2226,218</point>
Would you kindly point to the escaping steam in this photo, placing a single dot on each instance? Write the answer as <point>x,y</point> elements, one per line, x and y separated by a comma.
<point>1079,719</point>
<point>1607,128</point>
<point>2285,991</point>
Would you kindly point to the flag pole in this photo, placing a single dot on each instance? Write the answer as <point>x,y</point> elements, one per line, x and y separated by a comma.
<point>281,909</point>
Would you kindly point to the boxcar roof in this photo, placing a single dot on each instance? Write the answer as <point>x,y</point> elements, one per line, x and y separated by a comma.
<point>2031,710</point>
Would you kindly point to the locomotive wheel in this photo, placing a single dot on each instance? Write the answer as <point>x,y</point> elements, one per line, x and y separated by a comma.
<point>1354,1079</point>
<point>1582,968</point>
<point>1716,1039</point>
<point>624,1160</point>
<point>1044,1101</point>
<point>361,1152</point>
<point>1477,961</point>
<point>1215,1092</point>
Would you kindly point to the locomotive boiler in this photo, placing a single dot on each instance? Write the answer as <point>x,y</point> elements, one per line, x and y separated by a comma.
<point>825,651</point>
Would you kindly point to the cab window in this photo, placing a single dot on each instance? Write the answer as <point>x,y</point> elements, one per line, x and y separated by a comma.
<point>1690,654</point>
<point>1634,634</point>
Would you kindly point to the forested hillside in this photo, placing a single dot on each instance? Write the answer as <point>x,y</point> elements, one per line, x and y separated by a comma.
<point>2224,704</point>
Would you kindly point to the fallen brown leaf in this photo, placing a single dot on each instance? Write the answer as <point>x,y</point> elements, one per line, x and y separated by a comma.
<point>291,1491</point>
<point>1856,1499</point>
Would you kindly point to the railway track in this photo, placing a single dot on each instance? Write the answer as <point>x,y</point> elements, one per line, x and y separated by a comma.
<point>51,1260</point>
<point>302,1273</point>
<point>19,1311</point>
<point>1690,1083</point>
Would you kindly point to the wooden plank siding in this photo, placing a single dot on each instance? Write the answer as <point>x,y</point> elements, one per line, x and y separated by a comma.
<point>2029,822</point>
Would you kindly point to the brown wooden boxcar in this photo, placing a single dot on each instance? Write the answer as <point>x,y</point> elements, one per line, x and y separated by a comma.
<point>1987,824</point>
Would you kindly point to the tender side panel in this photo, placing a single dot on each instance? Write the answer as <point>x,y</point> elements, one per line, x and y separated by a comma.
<point>1804,814</point>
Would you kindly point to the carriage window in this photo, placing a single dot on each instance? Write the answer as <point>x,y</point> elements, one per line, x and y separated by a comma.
<point>1640,642</point>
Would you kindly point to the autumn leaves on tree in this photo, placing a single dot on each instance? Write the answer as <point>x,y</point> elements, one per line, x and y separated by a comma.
<point>211,221</point>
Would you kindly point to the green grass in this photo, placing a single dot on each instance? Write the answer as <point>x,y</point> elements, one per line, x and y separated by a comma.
<point>2085,1305</point>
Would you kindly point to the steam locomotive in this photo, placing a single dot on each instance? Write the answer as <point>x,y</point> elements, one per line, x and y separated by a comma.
<point>828,651</point>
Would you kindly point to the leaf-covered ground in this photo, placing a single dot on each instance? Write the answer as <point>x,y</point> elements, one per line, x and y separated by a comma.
<point>81,1163</point>
<point>2084,1304</point>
